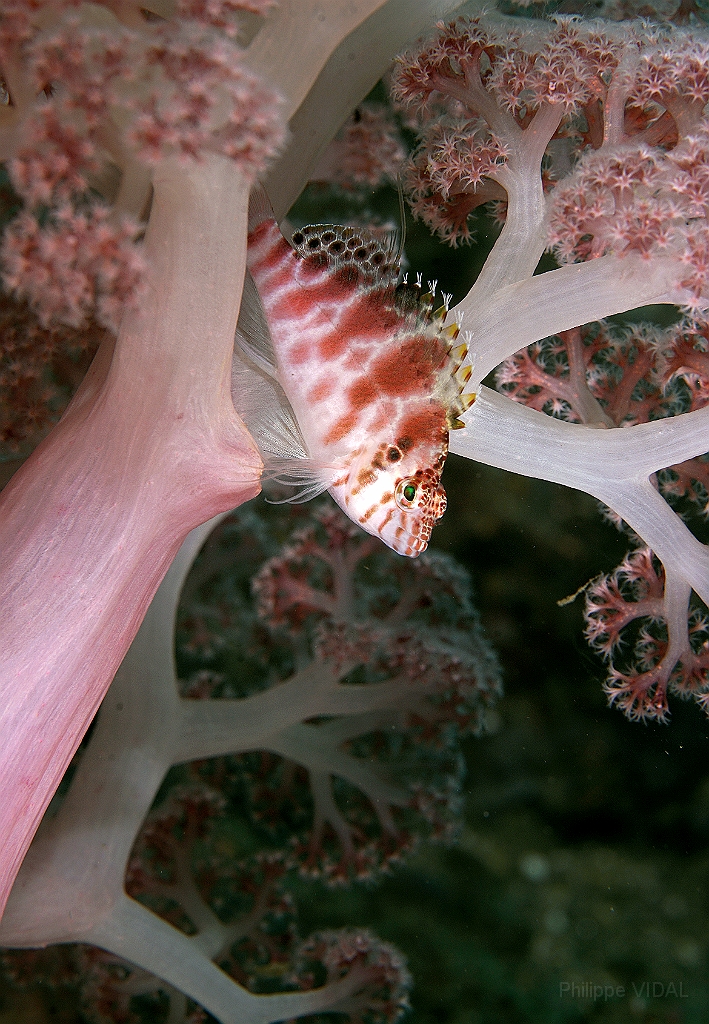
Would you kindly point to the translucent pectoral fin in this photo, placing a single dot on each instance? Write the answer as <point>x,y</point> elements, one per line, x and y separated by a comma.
<point>253,336</point>
<point>264,408</point>
<point>309,478</point>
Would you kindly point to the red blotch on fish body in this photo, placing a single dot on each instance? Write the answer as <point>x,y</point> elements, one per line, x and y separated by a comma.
<point>321,391</point>
<point>264,228</point>
<point>312,269</point>
<point>333,345</point>
<point>365,477</point>
<point>292,303</point>
<point>424,425</point>
<point>369,319</point>
<point>342,427</point>
<point>362,393</point>
<point>271,290</point>
<point>302,299</point>
<point>404,370</point>
<point>299,353</point>
<point>387,519</point>
<point>321,284</point>
<point>279,252</point>
<point>369,513</point>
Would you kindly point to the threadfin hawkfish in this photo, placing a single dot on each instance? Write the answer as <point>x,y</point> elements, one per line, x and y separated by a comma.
<point>348,379</point>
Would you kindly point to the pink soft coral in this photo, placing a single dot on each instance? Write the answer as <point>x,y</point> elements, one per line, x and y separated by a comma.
<point>593,141</point>
<point>139,113</point>
<point>93,519</point>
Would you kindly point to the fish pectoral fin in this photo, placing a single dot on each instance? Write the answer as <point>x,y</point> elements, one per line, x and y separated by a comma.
<point>260,208</point>
<point>264,408</point>
<point>310,478</point>
<point>253,336</point>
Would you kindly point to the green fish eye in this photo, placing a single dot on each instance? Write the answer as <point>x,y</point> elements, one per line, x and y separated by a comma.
<point>405,495</point>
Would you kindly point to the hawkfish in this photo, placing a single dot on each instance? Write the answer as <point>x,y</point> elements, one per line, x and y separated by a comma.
<point>346,376</point>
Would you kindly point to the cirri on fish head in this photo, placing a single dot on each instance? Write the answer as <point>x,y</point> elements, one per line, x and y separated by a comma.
<point>347,379</point>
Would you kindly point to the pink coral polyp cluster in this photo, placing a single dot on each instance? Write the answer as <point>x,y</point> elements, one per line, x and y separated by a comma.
<point>480,92</point>
<point>652,642</point>
<point>222,14</point>
<point>77,267</point>
<point>382,996</point>
<point>593,141</point>
<point>656,661</point>
<point>639,199</point>
<point>366,153</point>
<point>119,99</point>
<point>197,96</point>
<point>477,91</point>
<point>399,646</point>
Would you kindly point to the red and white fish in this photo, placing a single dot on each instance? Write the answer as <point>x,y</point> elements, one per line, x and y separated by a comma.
<point>347,379</point>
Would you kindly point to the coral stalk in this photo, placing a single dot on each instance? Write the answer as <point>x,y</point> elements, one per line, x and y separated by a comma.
<point>149,448</point>
<point>612,465</point>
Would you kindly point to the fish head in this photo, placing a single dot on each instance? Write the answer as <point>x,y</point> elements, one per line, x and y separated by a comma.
<point>396,495</point>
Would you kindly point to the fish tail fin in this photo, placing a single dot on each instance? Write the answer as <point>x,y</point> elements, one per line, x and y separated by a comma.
<point>260,208</point>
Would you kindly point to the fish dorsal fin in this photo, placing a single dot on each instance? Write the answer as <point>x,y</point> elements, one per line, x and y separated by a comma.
<point>264,408</point>
<point>377,259</point>
<point>253,336</point>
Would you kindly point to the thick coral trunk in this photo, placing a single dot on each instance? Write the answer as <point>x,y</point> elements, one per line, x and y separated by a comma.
<point>149,448</point>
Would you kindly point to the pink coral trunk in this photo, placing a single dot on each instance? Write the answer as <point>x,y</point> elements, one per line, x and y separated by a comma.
<point>149,448</point>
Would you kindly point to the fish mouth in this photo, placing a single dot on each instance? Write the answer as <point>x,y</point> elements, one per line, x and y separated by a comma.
<point>411,544</point>
<point>419,545</point>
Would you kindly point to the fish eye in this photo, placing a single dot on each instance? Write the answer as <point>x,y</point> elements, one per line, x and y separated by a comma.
<point>405,495</point>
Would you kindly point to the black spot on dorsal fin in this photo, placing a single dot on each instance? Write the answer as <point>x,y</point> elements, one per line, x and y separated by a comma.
<point>376,259</point>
